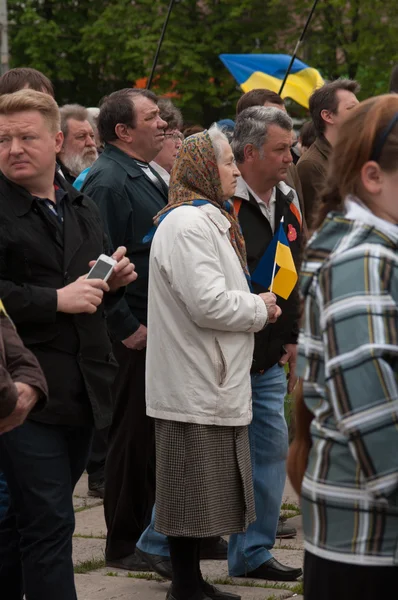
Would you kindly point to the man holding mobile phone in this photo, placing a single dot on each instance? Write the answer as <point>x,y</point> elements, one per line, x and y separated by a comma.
<point>50,236</point>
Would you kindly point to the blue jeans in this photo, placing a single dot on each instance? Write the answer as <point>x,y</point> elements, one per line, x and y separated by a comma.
<point>268,446</point>
<point>4,499</point>
<point>42,464</point>
<point>153,542</point>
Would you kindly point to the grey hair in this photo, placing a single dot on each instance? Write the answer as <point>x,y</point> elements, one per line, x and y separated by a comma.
<point>72,111</point>
<point>217,136</point>
<point>251,127</point>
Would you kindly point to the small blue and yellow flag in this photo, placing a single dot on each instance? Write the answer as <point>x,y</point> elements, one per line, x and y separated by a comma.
<point>267,71</point>
<point>276,270</point>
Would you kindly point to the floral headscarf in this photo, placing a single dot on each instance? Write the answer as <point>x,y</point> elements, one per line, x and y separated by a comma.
<point>195,180</point>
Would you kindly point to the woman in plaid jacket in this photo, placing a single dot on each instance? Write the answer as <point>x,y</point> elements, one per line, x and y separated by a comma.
<point>347,416</point>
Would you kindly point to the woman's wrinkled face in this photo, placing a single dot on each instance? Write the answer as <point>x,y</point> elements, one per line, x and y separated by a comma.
<point>228,171</point>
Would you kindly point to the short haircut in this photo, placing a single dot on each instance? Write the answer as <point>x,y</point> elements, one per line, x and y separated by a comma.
<point>325,98</point>
<point>258,98</point>
<point>72,111</point>
<point>307,134</point>
<point>217,137</point>
<point>118,107</point>
<point>394,80</point>
<point>170,113</point>
<point>251,127</point>
<point>363,129</point>
<point>26,100</point>
<point>25,77</point>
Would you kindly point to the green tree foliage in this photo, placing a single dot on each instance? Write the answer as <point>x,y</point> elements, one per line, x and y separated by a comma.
<point>356,39</point>
<point>90,48</point>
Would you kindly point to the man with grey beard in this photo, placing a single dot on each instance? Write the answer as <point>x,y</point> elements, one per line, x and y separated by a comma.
<point>79,149</point>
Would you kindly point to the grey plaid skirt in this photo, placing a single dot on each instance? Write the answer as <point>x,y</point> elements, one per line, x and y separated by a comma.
<point>204,483</point>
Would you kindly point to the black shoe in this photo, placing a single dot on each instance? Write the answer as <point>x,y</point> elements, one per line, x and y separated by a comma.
<point>209,591</point>
<point>198,596</point>
<point>160,564</point>
<point>214,548</point>
<point>216,594</point>
<point>132,562</point>
<point>97,489</point>
<point>285,531</point>
<point>274,571</point>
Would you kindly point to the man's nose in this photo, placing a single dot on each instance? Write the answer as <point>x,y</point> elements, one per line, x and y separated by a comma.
<point>162,124</point>
<point>90,141</point>
<point>16,147</point>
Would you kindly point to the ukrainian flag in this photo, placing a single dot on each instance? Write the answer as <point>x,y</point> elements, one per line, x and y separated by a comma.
<point>276,270</point>
<point>267,71</point>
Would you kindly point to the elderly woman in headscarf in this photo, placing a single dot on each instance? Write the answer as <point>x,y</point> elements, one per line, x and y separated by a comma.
<point>201,322</point>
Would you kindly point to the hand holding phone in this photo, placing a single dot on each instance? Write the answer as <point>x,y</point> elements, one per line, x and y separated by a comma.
<point>102,268</point>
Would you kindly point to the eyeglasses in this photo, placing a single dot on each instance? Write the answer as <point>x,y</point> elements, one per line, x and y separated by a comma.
<point>382,138</point>
<point>175,136</point>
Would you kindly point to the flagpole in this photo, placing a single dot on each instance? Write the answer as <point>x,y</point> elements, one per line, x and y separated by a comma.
<point>298,46</point>
<point>155,60</point>
<point>274,269</point>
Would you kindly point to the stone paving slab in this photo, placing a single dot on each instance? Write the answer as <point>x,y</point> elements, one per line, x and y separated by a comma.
<point>91,522</point>
<point>99,587</point>
<point>87,549</point>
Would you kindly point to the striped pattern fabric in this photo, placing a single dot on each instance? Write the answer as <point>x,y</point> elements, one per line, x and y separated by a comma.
<point>348,358</point>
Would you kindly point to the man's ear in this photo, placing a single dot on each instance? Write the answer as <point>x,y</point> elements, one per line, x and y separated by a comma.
<point>250,152</point>
<point>124,133</point>
<point>327,116</point>
<point>59,142</point>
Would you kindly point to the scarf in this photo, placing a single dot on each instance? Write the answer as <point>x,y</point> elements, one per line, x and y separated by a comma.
<point>195,180</point>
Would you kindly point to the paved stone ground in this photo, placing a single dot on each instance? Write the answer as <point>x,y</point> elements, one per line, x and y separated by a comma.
<point>95,581</point>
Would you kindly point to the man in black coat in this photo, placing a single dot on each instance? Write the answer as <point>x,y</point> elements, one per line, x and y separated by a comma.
<point>50,233</point>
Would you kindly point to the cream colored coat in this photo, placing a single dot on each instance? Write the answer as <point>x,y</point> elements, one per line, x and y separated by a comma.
<point>201,319</point>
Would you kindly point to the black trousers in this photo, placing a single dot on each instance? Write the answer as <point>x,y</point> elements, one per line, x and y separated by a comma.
<point>99,450</point>
<point>329,580</point>
<point>42,464</point>
<point>130,464</point>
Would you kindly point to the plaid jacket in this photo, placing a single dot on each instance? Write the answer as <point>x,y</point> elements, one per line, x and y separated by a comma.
<point>348,358</point>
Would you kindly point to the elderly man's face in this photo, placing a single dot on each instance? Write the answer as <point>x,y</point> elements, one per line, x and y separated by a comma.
<point>28,148</point>
<point>79,150</point>
<point>147,137</point>
<point>275,157</point>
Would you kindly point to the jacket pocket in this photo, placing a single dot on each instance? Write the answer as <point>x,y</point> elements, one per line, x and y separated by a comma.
<point>221,364</point>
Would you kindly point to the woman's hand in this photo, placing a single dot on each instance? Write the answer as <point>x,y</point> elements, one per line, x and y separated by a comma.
<point>274,312</point>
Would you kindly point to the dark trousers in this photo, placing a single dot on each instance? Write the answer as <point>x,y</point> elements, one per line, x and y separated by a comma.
<point>42,464</point>
<point>97,459</point>
<point>130,464</point>
<point>330,580</point>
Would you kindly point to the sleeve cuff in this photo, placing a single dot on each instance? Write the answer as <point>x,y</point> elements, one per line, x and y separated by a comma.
<point>261,315</point>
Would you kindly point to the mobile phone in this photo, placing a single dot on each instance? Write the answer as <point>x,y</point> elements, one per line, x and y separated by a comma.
<point>103,268</point>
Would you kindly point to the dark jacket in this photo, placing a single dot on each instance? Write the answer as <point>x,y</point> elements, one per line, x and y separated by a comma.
<point>312,170</point>
<point>17,363</point>
<point>128,201</point>
<point>37,257</point>
<point>258,234</point>
<point>66,173</point>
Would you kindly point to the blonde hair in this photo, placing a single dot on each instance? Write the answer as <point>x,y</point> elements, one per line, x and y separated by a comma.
<point>27,99</point>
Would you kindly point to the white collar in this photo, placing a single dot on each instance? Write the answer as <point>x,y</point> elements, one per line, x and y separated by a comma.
<point>165,175</point>
<point>357,211</point>
<point>243,190</point>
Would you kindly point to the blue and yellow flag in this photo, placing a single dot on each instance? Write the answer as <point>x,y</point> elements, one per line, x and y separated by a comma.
<point>276,270</point>
<point>267,71</point>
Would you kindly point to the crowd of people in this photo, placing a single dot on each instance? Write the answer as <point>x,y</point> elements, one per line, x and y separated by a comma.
<point>167,382</point>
